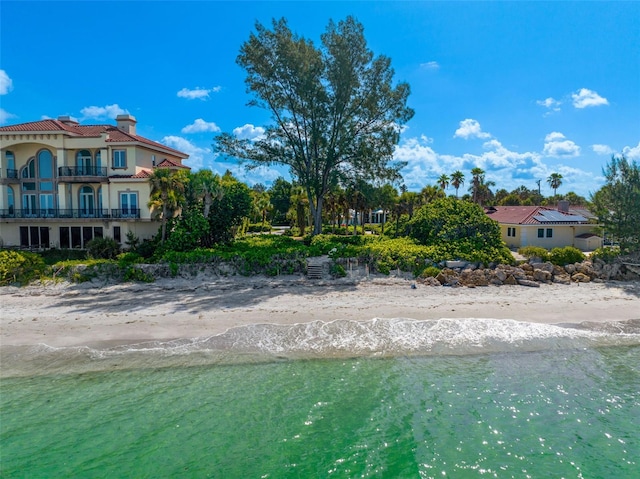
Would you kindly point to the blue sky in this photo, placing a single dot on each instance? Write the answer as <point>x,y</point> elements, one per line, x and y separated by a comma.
<point>520,89</point>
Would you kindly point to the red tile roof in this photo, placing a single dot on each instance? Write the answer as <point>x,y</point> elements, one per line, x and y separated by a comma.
<point>530,215</point>
<point>166,163</point>
<point>115,135</point>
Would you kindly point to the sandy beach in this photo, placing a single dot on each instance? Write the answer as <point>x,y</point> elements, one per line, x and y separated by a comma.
<point>66,314</point>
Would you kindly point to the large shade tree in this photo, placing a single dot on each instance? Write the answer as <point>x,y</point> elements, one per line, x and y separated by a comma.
<point>335,111</point>
<point>617,203</point>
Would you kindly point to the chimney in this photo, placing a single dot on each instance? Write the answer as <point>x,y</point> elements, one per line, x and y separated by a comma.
<point>68,120</point>
<point>563,206</point>
<point>126,123</point>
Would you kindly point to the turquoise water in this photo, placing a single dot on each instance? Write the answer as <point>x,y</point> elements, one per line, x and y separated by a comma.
<point>509,400</point>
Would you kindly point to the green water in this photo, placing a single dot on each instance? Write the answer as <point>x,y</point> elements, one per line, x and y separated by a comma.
<point>555,413</point>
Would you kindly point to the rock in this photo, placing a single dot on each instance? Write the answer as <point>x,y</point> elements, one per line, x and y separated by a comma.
<point>500,275</point>
<point>529,283</point>
<point>580,278</point>
<point>526,267</point>
<point>429,281</point>
<point>511,280</point>
<point>541,275</point>
<point>570,268</point>
<point>562,278</point>
<point>456,264</point>
<point>548,267</point>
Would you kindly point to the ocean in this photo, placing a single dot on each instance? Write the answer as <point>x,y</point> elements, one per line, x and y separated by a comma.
<point>395,398</point>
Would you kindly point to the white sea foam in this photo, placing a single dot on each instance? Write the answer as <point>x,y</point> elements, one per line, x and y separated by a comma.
<point>335,339</point>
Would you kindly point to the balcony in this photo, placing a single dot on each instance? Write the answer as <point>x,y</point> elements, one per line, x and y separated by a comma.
<point>10,176</point>
<point>82,173</point>
<point>46,213</point>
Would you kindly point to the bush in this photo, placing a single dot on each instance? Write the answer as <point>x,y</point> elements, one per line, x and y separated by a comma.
<point>54,255</point>
<point>566,255</point>
<point>259,228</point>
<point>534,252</point>
<point>103,248</point>
<point>608,254</point>
<point>430,272</point>
<point>20,267</point>
<point>136,274</point>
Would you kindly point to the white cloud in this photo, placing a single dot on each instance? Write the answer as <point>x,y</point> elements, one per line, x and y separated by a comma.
<point>249,132</point>
<point>102,112</point>
<point>197,93</point>
<point>196,154</point>
<point>6,84</point>
<point>632,153</point>
<point>584,98</point>
<point>5,116</point>
<point>557,145</point>
<point>602,149</point>
<point>470,129</point>
<point>551,104</point>
<point>199,126</point>
<point>430,66</point>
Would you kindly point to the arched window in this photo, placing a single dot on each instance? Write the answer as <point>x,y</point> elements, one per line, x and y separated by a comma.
<point>29,171</point>
<point>87,202</point>
<point>83,162</point>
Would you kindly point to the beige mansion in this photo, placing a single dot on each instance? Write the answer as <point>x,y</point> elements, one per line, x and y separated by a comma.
<point>63,183</point>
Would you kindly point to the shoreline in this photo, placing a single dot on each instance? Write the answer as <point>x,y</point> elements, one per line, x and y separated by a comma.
<point>89,314</point>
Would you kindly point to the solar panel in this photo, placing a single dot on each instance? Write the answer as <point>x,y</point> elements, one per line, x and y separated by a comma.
<point>557,216</point>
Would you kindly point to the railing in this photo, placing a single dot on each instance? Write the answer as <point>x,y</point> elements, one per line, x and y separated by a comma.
<point>82,171</point>
<point>12,173</point>
<point>121,213</point>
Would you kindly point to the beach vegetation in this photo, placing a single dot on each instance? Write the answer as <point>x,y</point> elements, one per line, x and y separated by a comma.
<point>430,272</point>
<point>103,248</point>
<point>136,274</point>
<point>336,112</point>
<point>20,267</point>
<point>167,195</point>
<point>566,255</point>
<point>459,230</point>
<point>608,254</point>
<point>535,252</point>
<point>336,270</point>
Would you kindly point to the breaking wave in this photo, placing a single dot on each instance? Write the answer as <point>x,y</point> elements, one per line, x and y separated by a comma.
<point>336,339</point>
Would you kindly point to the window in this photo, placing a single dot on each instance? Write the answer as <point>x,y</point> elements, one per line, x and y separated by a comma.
<point>87,207</point>
<point>129,205</point>
<point>10,200</point>
<point>549,233</point>
<point>46,205</point>
<point>29,171</point>
<point>11,164</point>
<point>540,232</point>
<point>511,232</point>
<point>153,160</point>
<point>78,237</point>
<point>34,236</point>
<point>119,158</point>
<point>117,234</point>
<point>83,162</point>
<point>45,164</point>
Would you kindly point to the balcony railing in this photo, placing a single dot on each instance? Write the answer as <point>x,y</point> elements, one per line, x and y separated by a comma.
<point>11,174</point>
<point>120,213</point>
<point>82,171</point>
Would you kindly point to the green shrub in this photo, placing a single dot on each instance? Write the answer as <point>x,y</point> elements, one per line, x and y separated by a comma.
<point>131,273</point>
<point>430,272</point>
<point>20,267</point>
<point>103,248</point>
<point>55,255</point>
<point>128,258</point>
<point>608,254</point>
<point>534,252</point>
<point>566,255</point>
<point>337,270</point>
<point>259,228</point>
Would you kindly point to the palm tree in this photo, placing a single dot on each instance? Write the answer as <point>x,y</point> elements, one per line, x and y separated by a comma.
<point>431,193</point>
<point>207,187</point>
<point>443,181</point>
<point>167,194</point>
<point>555,180</point>
<point>262,204</point>
<point>476,180</point>
<point>457,180</point>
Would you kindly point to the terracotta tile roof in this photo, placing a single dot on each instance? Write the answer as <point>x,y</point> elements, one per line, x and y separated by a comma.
<point>91,131</point>
<point>166,163</point>
<point>532,215</point>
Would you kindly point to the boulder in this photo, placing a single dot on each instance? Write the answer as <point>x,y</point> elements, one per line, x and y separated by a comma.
<point>529,283</point>
<point>562,278</point>
<point>548,267</point>
<point>570,268</point>
<point>511,280</point>
<point>541,275</point>
<point>580,278</point>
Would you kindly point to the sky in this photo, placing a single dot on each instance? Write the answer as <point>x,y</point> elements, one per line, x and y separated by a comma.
<point>519,89</point>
